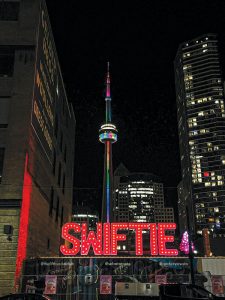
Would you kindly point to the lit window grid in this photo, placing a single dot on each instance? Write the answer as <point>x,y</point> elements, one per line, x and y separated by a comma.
<point>137,202</point>
<point>192,97</point>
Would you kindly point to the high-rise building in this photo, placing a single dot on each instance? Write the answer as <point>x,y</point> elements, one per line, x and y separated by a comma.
<point>107,136</point>
<point>85,214</point>
<point>139,197</point>
<point>37,127</point>
<point>201,127</point>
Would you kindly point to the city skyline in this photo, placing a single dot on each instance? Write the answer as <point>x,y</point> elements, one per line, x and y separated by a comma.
<point>141,55</point>
<point>71,226</point>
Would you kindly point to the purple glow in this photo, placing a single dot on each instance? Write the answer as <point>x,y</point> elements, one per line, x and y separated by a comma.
<point>184,245</point>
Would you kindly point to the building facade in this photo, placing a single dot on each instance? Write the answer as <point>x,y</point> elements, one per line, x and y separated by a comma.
<point>201,128</point>
<point>85,214</point>
<point>37,127</point>
<point>139,197</point>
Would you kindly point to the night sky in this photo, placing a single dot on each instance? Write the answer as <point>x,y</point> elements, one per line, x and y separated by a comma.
<point>140,39</point>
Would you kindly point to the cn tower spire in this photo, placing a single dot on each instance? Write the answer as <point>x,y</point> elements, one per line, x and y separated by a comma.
<point>107,136</point>
<point>108,82</point>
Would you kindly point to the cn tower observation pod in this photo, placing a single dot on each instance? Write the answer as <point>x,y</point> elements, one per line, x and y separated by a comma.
<point>108,132</point>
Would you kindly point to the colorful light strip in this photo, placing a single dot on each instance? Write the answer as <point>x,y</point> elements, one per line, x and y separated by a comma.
<point>108,135</point>
<point>108,180</point>
<point>23,227</point>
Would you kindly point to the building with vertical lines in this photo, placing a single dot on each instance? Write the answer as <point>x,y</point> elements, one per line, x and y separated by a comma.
<point>37,127</point>
<point>139,197</point>
<point>201,128</point>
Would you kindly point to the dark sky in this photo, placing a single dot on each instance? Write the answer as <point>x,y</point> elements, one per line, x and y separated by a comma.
<point>140,39</point>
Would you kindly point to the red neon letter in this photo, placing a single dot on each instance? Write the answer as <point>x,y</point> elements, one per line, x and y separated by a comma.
<point>138,227</point>
<point>70,238</point>
<point>91,240</point>
<point>163,239</point>
<point>106,243</point>
<point>117,237</point>
<point>153,239</point>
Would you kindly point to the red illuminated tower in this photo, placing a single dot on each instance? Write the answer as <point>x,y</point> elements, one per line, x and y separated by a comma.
<point>108,136</point>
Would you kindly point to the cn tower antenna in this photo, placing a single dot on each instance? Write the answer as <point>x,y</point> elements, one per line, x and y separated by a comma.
<point>107,136</point>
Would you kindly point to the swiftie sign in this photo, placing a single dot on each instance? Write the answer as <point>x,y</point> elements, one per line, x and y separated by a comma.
<point>105,239</point>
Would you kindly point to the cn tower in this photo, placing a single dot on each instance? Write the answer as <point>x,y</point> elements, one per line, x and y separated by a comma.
<point>107,136</point>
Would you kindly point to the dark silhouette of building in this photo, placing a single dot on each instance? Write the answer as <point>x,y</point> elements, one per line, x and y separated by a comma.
<point>37,127</point>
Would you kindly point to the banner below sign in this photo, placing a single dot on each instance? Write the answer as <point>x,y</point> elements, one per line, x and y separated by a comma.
<point>50,284</point>
<point>106,284</point>
<point>161,279</point>
<point>217,285</point>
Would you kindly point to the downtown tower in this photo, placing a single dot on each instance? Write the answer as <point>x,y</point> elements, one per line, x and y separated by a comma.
<point>107,136</point>
<point>201,128</point>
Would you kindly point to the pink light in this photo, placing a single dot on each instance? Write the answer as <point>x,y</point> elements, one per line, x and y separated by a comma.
<point>184,245</point>
<point>104,240</point>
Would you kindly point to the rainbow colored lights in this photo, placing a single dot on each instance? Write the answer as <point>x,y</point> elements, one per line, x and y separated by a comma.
<point>108,136</point>
<point>108,146</point>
